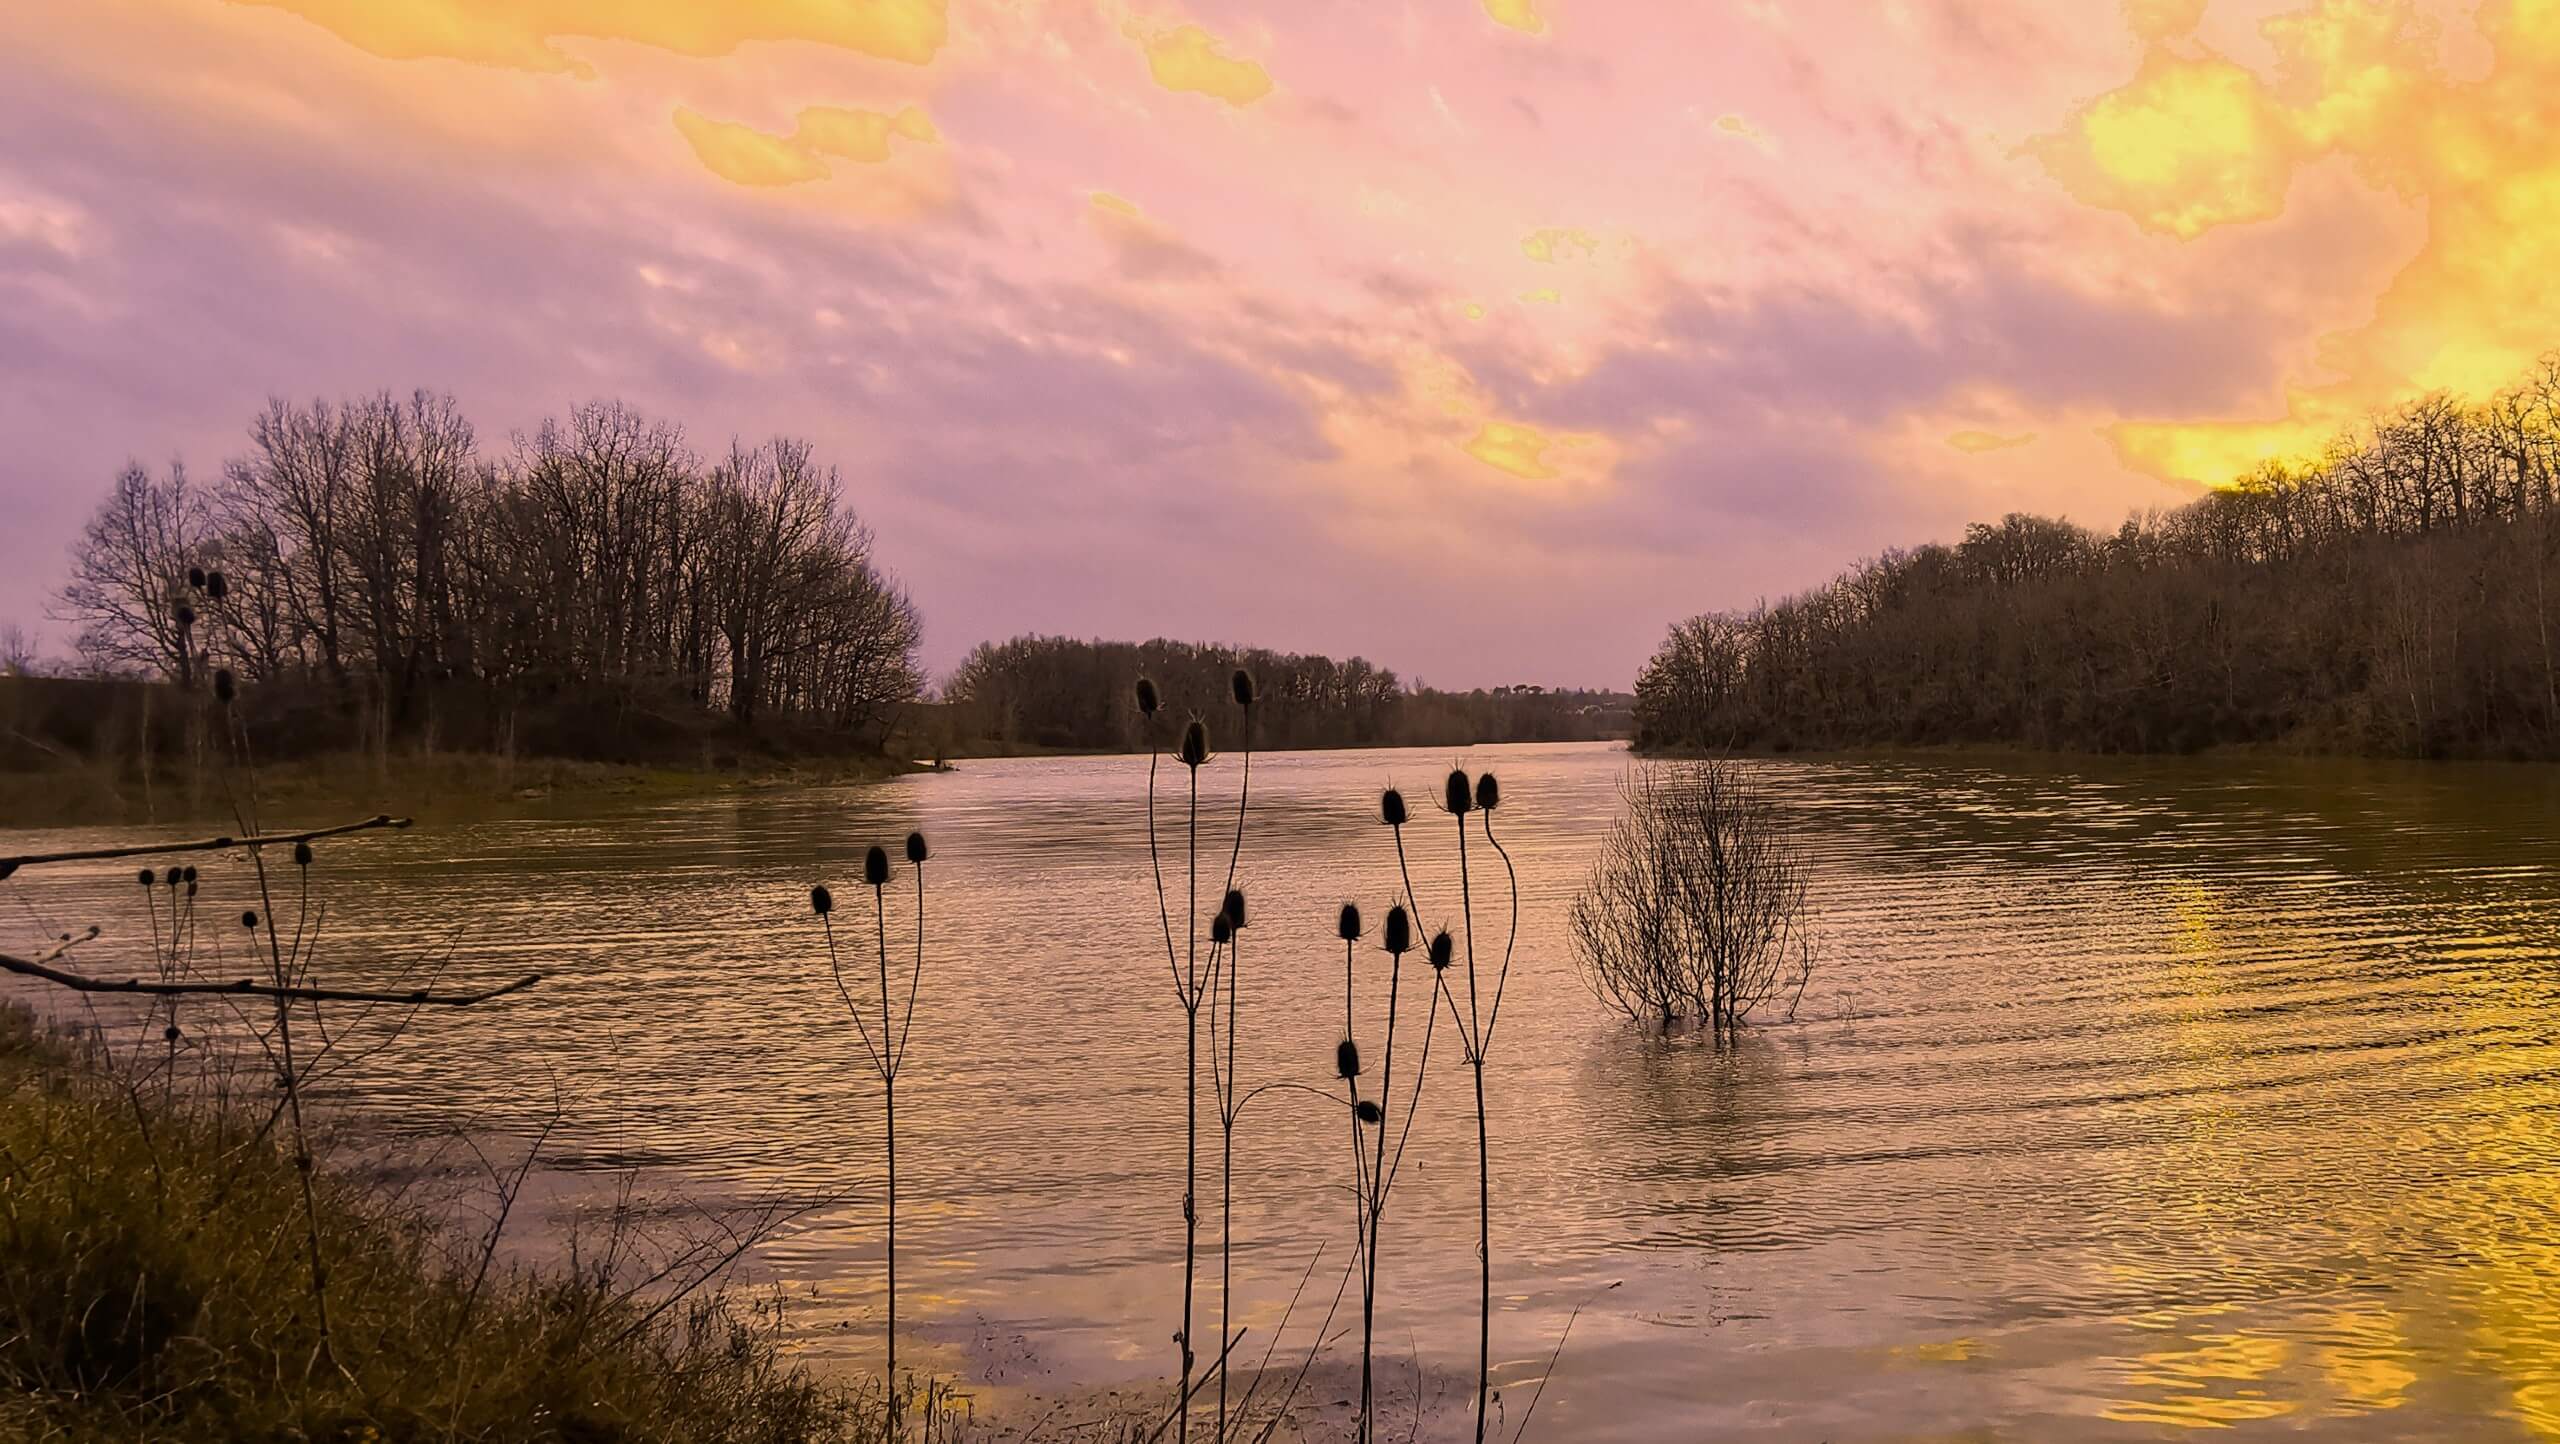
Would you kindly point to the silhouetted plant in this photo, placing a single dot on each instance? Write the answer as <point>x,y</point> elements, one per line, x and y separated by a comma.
<point>1476,1035</point>
<point>1226,935</point>
<point>1475,1023</point>
<point>888,1054</point>
<point>1373,1166</point>
<point>1196,983</point>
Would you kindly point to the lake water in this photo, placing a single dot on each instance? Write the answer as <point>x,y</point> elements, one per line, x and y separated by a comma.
<point>2132,1096</point>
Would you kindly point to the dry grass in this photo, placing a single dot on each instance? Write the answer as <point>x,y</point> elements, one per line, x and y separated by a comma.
<point>152,1286</point>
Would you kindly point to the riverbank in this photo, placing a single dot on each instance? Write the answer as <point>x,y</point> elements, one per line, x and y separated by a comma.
<point>432,786</point>
<point>155,1283</point>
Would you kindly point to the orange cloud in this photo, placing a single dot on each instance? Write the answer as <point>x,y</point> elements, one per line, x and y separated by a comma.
<point>522,34</point>
<point>860,135</point>
<point>746,155</point>
<point>751,157</point>
<point>1519,450</point>
<point>1189,58</point>
<point>2191,145</point>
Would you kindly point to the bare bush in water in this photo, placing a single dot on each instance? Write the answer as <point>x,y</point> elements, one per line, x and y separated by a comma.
<point>1698,907</point>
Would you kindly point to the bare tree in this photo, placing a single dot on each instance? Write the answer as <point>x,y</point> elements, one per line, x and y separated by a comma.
<point>17,651</point>
<point>1698,905</point>
<point>127,583</point>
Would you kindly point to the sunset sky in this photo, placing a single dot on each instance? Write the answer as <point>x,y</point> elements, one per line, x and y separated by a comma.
<point>1483,338</point>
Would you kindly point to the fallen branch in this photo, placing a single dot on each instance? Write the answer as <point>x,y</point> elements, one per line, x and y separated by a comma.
<point>28,967</point>
<point>9,865</point>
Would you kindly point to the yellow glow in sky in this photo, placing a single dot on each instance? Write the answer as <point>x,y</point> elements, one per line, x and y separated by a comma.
<point>2197,143</point>
<point>1520,15</point>
<point>750,157</point>
<point>1190,58</point>
<point>1519,450</point>
<point>521,34</point>
<point>1557,244</point>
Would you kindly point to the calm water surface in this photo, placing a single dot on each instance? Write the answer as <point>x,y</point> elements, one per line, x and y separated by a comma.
<point>2132,1098</point>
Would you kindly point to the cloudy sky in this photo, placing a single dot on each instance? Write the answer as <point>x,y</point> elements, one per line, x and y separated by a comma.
<point>1479,337</point>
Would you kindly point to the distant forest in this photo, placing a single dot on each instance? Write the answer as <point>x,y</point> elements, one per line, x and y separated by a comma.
<point>371,560</point>
<point>1060,693</point>
<point>2397,597</point>
<point>369,570</point>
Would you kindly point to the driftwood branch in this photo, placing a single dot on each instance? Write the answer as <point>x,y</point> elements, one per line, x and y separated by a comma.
<point>9,865</point>
<point>31,968</point>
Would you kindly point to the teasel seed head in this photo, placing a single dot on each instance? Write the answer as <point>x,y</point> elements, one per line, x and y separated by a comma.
<point>1346,1059</point>
<point>170,1033</point>
<point>1367,1110</point>
<point>821,901</point>
<point>191,877</point>
<point>1233,908</point>
<point>1399,932</point>
<point>1443,950</point>
<point>1488,793</point>
<point>1460,797</point>
<point>249,919</point>
<point>1241,684</point>
<point>1148,698</point>
<point>302,854</point>
<point>148,877</point>
<point>172,877</point>
<point>1391,808</point>
<point>1221,931</point>
<point>225,686</point>
<point>917,852</point>
<point>1195,744</point>
<point>216,586</point>
<point>195,578</point>
<point>1348,927</point>
<point>875,866</point>
<point>186,616</point>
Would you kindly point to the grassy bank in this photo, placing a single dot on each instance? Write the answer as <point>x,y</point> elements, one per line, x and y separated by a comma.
<point>154,1284</point>
<point>428,785</point>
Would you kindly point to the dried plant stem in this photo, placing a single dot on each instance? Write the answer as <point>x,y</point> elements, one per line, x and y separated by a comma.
<point>1484,1165</point>
<point>1191,1102</point>
<point>1232,1099</point>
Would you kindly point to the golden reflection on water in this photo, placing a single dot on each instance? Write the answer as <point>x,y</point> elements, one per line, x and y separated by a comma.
<point>2136,1098</point>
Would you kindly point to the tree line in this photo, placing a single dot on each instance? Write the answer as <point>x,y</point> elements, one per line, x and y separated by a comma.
<point>372,552</point>
<point>2395,596</point>
<point>1060,692</point>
